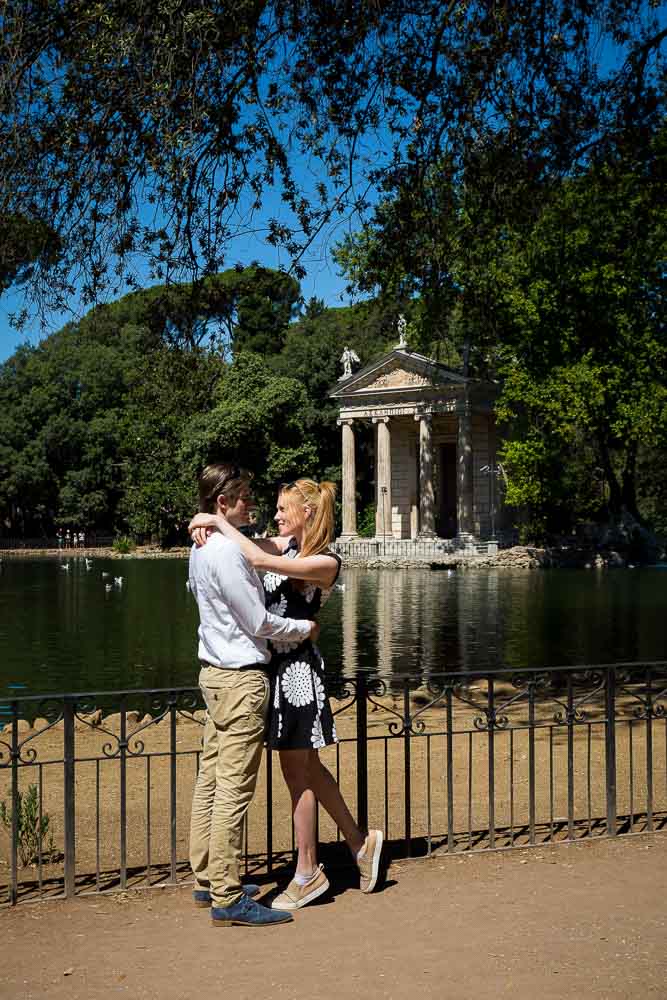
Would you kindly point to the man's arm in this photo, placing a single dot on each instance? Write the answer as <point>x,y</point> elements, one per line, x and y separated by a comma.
<point>240,590</point>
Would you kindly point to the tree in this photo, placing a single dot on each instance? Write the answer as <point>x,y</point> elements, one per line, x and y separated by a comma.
<point>91,419</point>
<point>59,408</point>
<point>107,423</point>
<point>23,242</point>
<point>156,129</point>
<point>158,490</point>
<point>585,355</point>
<point>254,419</point>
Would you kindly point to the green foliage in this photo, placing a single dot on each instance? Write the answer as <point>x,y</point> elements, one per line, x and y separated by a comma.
<point>106,424</point>
<point>255,417</point>
<point>90,421</point>
<point>34,836</point>
<point>123,545</point>
<point>24,242</point>
<point>585,358</point>
<point>366,522</point>
<point>155,129</point>
<point>553,286</point>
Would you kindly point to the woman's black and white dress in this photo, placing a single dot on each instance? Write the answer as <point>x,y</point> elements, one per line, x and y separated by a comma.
<point>300,716</point>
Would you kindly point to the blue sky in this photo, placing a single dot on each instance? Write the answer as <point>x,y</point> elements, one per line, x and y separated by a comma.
<point>322,280</point>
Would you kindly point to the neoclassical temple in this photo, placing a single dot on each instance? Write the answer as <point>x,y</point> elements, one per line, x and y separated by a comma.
<point>435,447</point>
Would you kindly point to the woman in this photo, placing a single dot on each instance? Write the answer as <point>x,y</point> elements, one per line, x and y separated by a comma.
<point>300,572</point>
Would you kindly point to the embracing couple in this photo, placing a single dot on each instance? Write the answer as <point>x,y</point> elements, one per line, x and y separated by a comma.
<point>262,679</point>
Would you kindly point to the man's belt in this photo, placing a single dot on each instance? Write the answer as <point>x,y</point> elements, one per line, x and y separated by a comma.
<point>245,666</point>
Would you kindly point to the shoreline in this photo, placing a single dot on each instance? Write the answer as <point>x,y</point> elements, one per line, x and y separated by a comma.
<point>92,552</point>
<point>517,557</point>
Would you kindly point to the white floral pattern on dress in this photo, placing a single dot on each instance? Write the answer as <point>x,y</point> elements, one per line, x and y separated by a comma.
<point>317,736</point>
<point>278,607</point>
<point>272,581</point>
<point>276,696</point>
<point>319,692</point>
<point>280,724</point>
<point>297,684</point>
<point>309,592</point>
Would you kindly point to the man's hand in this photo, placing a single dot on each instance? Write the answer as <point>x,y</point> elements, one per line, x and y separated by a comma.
<point>314,631</point>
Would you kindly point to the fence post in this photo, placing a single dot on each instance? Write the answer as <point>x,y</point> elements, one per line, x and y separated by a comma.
<point>172,787</point>
<point>407,765</point>
<point>14,756</point>
<point>491,750</point>
<point>450,770</point>
<point>362,753</point>
<point>531,759</point>
<point>610,749</point>
<point>122,749</point>
<point>649,749</point>
<point>69,803</point>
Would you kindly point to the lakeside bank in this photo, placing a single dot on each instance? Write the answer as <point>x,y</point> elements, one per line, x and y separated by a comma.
<point>513,558</point>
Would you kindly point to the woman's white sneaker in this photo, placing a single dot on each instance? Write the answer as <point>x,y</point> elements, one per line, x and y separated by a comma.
<point>295,896</point>
<point>368,860</point>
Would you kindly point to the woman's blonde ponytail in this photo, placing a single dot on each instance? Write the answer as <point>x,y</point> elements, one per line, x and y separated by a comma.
<point>321,499</point>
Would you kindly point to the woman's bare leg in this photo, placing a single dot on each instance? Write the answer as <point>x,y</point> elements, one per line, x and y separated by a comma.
<point>294,764</point>
<point>309,780</point>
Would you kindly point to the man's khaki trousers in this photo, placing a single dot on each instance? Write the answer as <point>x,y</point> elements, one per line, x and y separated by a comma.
<point>237,702</point>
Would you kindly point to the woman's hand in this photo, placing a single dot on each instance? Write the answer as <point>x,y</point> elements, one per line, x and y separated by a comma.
<point>202,525</point>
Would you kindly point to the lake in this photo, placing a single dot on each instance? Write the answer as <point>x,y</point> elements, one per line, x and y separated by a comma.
<point>62,630</point>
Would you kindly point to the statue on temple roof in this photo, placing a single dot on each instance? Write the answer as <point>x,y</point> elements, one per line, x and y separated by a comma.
<point>402,331</point>
<point>348,358</point>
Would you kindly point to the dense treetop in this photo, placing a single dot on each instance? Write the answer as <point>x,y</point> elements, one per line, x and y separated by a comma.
<point>105,424</point>
<point>156,128</point>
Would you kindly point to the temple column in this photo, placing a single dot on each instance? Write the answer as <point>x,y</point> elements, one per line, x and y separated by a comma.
<point>464,497</point>
<point>383,524</point>
<point>350,617</point>
<point>349,498</point>
<point>426,491</point>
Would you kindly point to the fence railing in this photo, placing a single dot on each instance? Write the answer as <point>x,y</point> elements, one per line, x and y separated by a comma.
<point>95,789</point>
<point>405,549</point>
<point>374,548</point>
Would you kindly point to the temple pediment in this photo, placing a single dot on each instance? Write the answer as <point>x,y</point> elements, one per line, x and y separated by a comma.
<point>400,370</point>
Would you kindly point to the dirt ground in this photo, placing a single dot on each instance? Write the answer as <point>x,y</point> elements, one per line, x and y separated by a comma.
<point>584,920</point>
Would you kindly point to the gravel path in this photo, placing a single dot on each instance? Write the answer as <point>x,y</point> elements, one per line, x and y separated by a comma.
<point>584,920</point>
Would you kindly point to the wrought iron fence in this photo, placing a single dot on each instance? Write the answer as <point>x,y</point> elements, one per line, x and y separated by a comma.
<point>97,787</point>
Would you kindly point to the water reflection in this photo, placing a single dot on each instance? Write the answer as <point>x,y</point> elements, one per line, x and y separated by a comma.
<point>62,631</point>
<point>397,620</point>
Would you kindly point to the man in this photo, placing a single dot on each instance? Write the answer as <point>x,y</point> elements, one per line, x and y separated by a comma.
<point>233,632</point>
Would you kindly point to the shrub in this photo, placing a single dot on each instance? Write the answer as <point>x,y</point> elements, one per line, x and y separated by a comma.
<point>124,544</point>
<point>366,522</point>
<point>33,832</point>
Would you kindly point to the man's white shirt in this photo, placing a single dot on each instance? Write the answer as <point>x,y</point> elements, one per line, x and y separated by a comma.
<point>233,621</point>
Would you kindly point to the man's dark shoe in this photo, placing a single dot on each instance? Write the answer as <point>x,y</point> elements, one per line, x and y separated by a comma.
<point>248,913</point>
<point>202,897</point>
